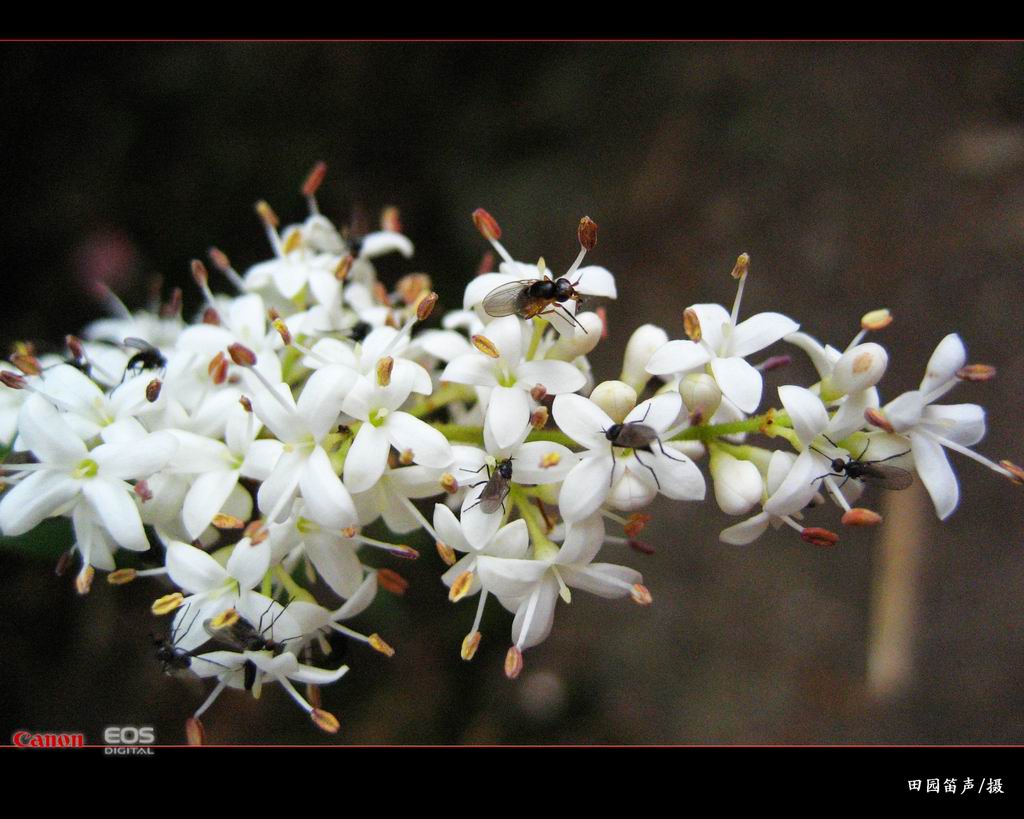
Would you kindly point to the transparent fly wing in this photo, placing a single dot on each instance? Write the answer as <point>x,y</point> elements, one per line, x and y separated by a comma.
<point>886,477</point>
<point>228,636</point>
<point>508,299</point>
<point>138,344</point>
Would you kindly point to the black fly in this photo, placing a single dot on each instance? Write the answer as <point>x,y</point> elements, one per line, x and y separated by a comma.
<point>496,487</point>
<point>527,298</point>
<point>636,435</point>
<point>148,357</point>
<point>873,473</point>
<point>241,635</point>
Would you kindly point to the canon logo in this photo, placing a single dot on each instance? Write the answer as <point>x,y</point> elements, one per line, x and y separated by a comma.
<point>27,739</point>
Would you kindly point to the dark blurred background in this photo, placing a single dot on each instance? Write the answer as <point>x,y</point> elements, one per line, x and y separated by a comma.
<point>857,176</point>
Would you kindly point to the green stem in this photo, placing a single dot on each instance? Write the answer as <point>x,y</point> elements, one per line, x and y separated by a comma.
<point>443,396</point>
<point>538,332</point>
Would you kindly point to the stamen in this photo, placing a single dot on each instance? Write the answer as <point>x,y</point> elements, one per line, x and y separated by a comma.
<point>563,590</point>
<point>819,537</point>
<point>470,643</point>
<point>970,453</point>
<point>460,588</point>
<point>419,516</point>
<point>223,264</point>
<point>837,494</point>
<point>212,698</point>
<point>312,185</point>
<point>167,603</point>
<point>324,720</point>
<point>513,662</point>
<point>859,516</point>
<point>270,224</point>
<point>740,271</point>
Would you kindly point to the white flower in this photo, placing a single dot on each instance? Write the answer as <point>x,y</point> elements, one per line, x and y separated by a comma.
<point>738,484</point>
<point>749,530</point>
<point>384,426</point>
<point>722,345</point>
<point>602,471</point>
<point>68,474</point>
<point>510,378</point>
<point>930,427</point>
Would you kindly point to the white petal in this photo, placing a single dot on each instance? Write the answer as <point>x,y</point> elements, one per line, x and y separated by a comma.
<point>808,414</point>
<point>479,287</point>
<point>850,416</point>
<point>36,497</point>
<point>960,423</point>
<point>678,356</point>
<point>205,499</point>
<point>322,396</point>
<point>532,623</point>
<point>317,676</point>
<point>680,478</point>
<point>796,491</point>
<point>428,445</point>
<point>904,412</point>
<point>472,368</point>
<point>366,458</point>
<point>603,579</point>
<point>949,356</point>
<point>760,331</point>
<point>508,414</point>
<point>112,502</point>
<point>556,376</point>
<point>447,526</point>
<point>585,487</point>
<point>479,526</point>
<point>443,344</point>
<point>381,242</point>
<point>508,577</point>
<point>739,382</point>
<point>512,540</point>
<point>42,431</point>
<point>192,569</point>
<point>506,334</point>
<point>659,412</point>
<point>327,500</point>
<point>337,564</point>
<point>634,487</point>
<point>583,540</point>
<point>249,562</point>
<point>936,473</point>
<point>713,319</point>
<point>360,600</point>
<point>746,531</point>
<point>527,469</point>
<point>260,459</point>
<point>135,460</point>
<point>821,361</point>
<point>276,492</point>
<point>593,280</point>
<point>582,420</point>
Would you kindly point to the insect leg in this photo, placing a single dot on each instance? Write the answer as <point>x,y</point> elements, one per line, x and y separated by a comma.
<point>661,446</point>
<point>636,454</point>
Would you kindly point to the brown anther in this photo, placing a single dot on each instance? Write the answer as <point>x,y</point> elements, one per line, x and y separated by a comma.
<point>283,331</point>
<point>587,233</point>
<point>470,643</point>
<point>12,380</point>
<point>404,552</point>
<point>819,537</point>
<point>460,588</point>
<point>349,532</point>
<point>513,663</point>
<point>411,286</point>
<point>167,603</point>
<point>83,582</point>
<point>173,306</point>
<point>539,418</point>
<point>635,524</point>
<point>406,457</point>
<point>63,563</point>
<point>121,576</point>
<point>252,529</point>
<point>195,734</point>
<point>538,392</point>
<point>641,594</point>
<point>877,419</point>
<point>28,364</point>
<point>75,347</point>
<point>324,720</point>
<point>742,266</point>
<point>691,324</point>
<point>266,214</point>
<point>217,369</point>
<point>391,219</point>
<point>219,258</point>
<point>486,224</point>
<point>245,402</point>
<point>486,263</point>
<point>774,362</point>
<point>384,368</point>
<point>378,644</point>
<point>257,534</point>
<point>313,695</point>
<point>142,490</point>
<point>242,355</point>
<point>549,459</point>
<point>223,521</point>
<point>973,372</point>
<point>485,346</point>
<point>200,274</point>
<point>449,483</point>
<point>211,316</point>
<point>446,552</point>
<point>314,179</point>
<point>344,266</point>
<point>425,306</point>
<point>392,581</point>
<point>153,390</point>
<point>273,314</point>
<point>641,546</point>
<point>859,516</point>
<point>1015,471</point>
<point>876,319</point>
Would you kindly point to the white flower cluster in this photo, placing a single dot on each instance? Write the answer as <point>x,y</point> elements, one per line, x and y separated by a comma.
<point>259,442</point>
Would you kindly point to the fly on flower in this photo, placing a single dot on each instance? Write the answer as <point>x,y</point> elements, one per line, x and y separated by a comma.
<point>527,298</point>
<point>636,435</point>
<point>235,631</point>
<point>496,488</point>
<point>168,654</point>
<point>873,473</point>
<point>148,357</point>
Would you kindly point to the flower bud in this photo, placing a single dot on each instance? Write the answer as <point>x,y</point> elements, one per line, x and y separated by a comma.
<point>569,347</point>
<point>701,394</point>
<point>615,398</point>
<point>859,368</point>
<point>642,344</point>
<point>738,484</point>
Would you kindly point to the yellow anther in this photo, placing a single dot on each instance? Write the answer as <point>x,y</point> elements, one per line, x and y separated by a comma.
<point>691,324</point>
<point>84,580</point>
<point>377,644</point>
<point>223,521</point>
<point>485,346</point>
<point>121,576</point>
<point>449,483</point>
<point>876,319</point>
<point>513,663</point>
<point>549,460</point>
<point>324,720</point>
<point>446,552</point>
<point>167,603</point>
<point>460,588</point>
<point>641,595</point>
<point>226,619</point>
<point>742,266</point>
<point>384,368</point>
<point>470,643</point>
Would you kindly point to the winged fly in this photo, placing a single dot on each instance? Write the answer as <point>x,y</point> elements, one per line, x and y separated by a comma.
<point>173,659</point>
<point>873,473</point>
<point>637,436</point>
<point>148,357</point>
<point>241,635</point>
<point>495,488</point>
<point>527,298</point>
